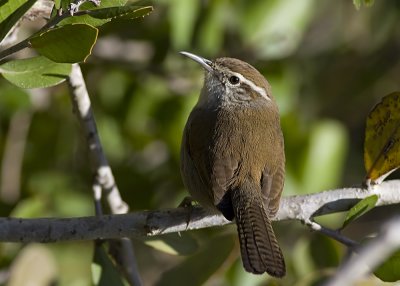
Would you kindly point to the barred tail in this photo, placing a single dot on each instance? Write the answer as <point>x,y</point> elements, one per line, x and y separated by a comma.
<point>258,245</point>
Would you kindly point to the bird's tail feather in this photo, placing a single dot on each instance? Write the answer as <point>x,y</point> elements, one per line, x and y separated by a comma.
<point>258,244</point>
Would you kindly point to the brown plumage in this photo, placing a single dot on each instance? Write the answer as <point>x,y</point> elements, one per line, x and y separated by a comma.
<point>232,157</point>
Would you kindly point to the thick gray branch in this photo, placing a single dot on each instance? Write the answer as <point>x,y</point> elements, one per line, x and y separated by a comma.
<point>150,223</point>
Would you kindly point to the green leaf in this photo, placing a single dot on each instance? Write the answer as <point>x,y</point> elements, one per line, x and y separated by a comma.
<point>389,270</point>
<point>104,272</point>
<point>35,72</point>
<point>7,23</point>
<point>9,7</point>
<point>86,19</point>
<point>360,209</point>
<point>68,44</point>
<point>124,12</point>
<point>382,138</point>
<point>204,263</point>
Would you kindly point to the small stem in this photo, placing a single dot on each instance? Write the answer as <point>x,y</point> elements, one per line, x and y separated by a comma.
<point>13,49</point>
<point>336,235</point>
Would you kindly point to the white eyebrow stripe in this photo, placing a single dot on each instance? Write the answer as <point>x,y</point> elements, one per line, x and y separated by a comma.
<point>261,91</point>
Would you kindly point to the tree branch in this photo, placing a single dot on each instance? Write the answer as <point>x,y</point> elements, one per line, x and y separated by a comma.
<point>312,205</point>
<point>151,223</point>
<point>104,178</point>
<point>370,256</point>
<point>82,107</point>
<point>335,234</point>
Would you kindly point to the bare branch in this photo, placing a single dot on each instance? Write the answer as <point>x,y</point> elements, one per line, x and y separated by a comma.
<point>335,234</point>
<point>370,256</point>
<point>151,223</point>
<point>104,178</point>
<point>312,205</point>
<point>82,108</point>
<point>148,223</point>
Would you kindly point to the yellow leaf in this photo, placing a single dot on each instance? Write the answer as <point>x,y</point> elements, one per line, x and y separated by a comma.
<point>382,139</point>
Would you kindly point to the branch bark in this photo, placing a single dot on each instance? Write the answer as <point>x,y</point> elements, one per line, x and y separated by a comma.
<point>151,223</point>
<point>312,205</point>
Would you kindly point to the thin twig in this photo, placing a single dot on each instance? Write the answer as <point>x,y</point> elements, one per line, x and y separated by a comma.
<point>335,234</point>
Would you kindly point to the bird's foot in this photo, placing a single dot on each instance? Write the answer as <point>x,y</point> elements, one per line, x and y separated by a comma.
<point>188,203</point>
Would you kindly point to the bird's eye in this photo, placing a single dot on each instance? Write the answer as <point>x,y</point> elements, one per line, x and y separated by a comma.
<point>234,80</point>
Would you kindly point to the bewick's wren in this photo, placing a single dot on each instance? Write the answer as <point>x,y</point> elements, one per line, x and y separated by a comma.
<point>232,157</point>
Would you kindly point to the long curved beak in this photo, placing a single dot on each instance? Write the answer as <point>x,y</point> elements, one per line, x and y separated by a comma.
<point>204,62</point>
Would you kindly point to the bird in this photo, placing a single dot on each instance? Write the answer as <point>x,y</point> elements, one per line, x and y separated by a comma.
<point>233,159</point>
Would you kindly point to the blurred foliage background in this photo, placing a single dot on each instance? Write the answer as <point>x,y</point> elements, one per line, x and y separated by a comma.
<point>328,64</point>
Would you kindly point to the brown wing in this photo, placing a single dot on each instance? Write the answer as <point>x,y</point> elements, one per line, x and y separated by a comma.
<point>210,155</point>
<point>195,165</point>
<point>272,187</point>
<point>224,167</point>
<point>226,161</point>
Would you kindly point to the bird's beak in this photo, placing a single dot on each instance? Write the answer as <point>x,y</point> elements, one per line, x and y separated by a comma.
<point>204,62</point>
